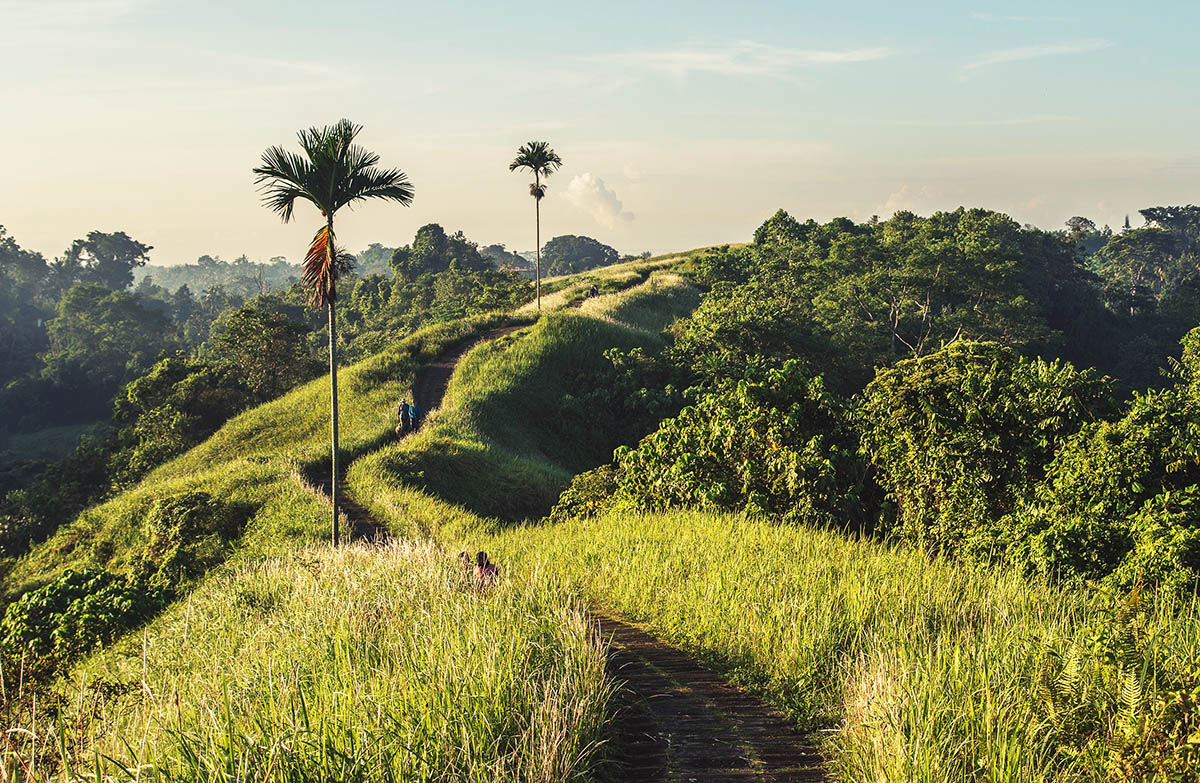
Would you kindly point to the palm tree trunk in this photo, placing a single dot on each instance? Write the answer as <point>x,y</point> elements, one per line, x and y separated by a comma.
<point>537,211</point>
<point>333,403</point>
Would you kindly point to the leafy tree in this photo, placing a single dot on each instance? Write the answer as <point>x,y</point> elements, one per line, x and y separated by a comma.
<point>433,251</point>
<point>107,259</point>
<point>23,308</point>
<point>961,437</point>
<point>775,444</point>
<point>332,173</point>
<point>374,260</point>
<point>266,342</point>
<point>1121,500</point>
<point>538,158</point>
<point>570,253</point>
<point>99,341</point>
<point>174,406</point>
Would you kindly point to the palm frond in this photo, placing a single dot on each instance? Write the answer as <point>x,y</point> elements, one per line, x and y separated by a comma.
<point>283,178</point>
<point>537,157</point>
<point>537,191</point>
<point>331,172</point>
<point>320,270</point>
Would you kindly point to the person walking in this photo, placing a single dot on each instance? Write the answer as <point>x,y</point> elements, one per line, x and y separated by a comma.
<point>406,419</point>
<point>415,414</point>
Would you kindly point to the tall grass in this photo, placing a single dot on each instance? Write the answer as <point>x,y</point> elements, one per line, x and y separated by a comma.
<point>351,664</point>
<point>921,671</point>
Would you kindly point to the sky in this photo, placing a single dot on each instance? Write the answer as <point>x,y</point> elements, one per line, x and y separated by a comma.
<point>679,124</point>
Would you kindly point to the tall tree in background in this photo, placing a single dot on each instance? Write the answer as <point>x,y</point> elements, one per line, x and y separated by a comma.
<point>332,172</point>
<point>536,156</point>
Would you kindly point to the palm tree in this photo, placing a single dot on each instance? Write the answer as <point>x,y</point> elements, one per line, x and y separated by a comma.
<point>333,172</point>
<point>542,161</point>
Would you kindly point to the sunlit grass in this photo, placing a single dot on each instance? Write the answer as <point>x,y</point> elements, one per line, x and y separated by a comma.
<point>255,461</point>
<point>351,664</point>
<point>497,446</point>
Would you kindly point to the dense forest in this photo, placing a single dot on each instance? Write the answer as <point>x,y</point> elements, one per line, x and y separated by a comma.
<point>958,382</point>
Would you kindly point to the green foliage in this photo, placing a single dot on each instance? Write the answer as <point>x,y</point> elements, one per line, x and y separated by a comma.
<point>961,437</point>
<point>265,343</point>
<point>775,444</point>
<point>850,298</point>
<point>100,340</point>
<point>1122,499</point>
<point>1116,696</point>
<point>186,534</point>
<point>433,251</point>
<point>588,495</point>
<point>624,399</point>
<point>569,254</point>
<point>72,615</point>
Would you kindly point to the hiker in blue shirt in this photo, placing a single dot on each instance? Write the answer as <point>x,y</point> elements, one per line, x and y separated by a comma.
<point>416,416</point>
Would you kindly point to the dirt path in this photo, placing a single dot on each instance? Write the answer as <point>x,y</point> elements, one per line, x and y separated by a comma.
<point>680,721</point>
<point>675,720</point>
<point>430,385</point>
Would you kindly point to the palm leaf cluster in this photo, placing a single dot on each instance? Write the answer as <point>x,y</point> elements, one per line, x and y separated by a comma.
<point>330,173</point>
<point>538,158</point>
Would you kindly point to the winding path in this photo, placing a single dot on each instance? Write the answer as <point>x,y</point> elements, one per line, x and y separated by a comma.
<point>675,719</point>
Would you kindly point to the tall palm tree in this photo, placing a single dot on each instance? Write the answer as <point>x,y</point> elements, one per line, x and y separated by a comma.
<point>332,173</point>
<point>542,161</point>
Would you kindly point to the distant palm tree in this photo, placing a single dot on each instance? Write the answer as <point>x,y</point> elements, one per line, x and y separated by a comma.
<point>332,173</point>
<point>542,161</point>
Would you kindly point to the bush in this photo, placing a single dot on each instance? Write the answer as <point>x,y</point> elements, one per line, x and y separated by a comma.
<point>1111,697</point>
<point>773,444</point>
<point>962,436</point>
<point>589,495</point>
<point>76,613</point>
<point>186,534</point>
<point>1121,500</point>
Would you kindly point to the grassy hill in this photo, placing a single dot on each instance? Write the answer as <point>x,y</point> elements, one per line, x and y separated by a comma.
<point>911,668</point>
<point>292,659</point>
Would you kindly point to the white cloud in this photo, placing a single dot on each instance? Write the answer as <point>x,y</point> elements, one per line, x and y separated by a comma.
<point>742,58</point>
<point>1034,52</point>
<point>631,173</point>
<point>589,193</point>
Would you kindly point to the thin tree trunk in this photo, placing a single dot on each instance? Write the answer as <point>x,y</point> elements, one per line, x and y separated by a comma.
<point>333,397</point>
<point>537,211</point>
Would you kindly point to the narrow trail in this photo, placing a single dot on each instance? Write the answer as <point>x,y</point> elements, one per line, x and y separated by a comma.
<point>675,720</point>
<point>680,721</point>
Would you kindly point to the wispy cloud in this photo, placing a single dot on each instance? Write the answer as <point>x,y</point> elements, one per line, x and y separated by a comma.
<point>742,58</point>
<point>1033,119</point>
<point>981,16</point>
<point>1021,53</point>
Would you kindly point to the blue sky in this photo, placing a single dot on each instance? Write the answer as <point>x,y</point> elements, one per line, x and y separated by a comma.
<point>680,124</point>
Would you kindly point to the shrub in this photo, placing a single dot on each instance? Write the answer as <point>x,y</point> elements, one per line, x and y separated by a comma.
<point>774,444</point>
<point>186,534</point>
<point>1113,697</point>
<point>589,495</point>
<point>76,613</point>
<point>1121,500</point>
<point>962,436</point>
